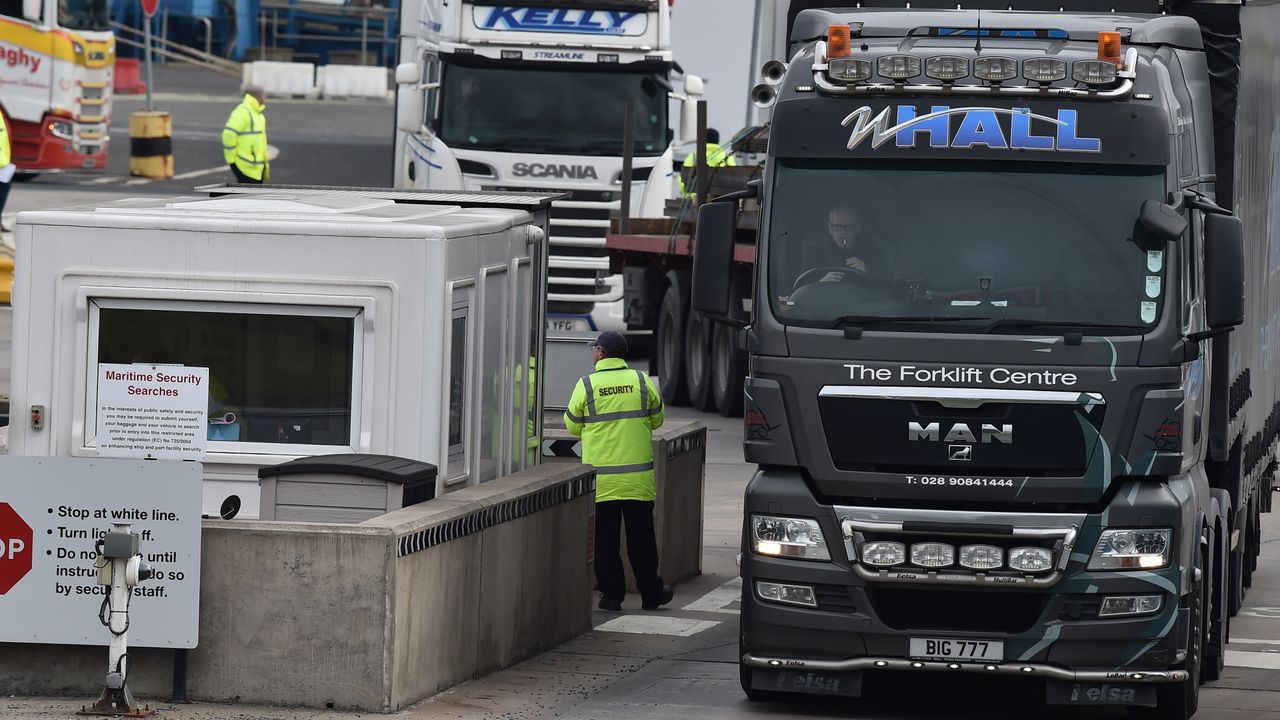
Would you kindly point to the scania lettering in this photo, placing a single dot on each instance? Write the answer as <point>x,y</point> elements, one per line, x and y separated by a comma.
<point>533,96</point>
<point>1041,216</point>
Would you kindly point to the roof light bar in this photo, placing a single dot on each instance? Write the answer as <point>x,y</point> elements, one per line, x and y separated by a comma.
<point>849,69</point>
<point>898,67</point>
<point>1044,69</point>
<point>995,69</point>
<point>946,68</point>
<point>1094,72</point>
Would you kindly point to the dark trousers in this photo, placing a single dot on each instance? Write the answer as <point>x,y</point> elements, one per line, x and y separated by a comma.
<point>242,178</point>
<point>642,548</point>
<point>4,195</point>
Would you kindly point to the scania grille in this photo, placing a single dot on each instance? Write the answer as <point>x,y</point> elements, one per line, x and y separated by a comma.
<point>578,264</point>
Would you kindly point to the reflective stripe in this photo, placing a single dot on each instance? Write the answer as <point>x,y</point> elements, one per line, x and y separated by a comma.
<point>229,147</point>
<point>242,132</point>
<point>591,400</point>
<point>572,417</point>
<point>620,469</point>
<point>253,162</point>
<point>620,415</point>
<point>644,391</point>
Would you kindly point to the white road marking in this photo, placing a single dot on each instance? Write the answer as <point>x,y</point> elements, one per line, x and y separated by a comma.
<point>719,599</point>
<point>273,152</point>
<point>1267,613</point>
<point>656,625</point>
<point>1260,660</point>
<point>1254,641</point>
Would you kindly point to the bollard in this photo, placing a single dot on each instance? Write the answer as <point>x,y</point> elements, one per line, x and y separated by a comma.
<point>6,279</point>
<point>151,145</point>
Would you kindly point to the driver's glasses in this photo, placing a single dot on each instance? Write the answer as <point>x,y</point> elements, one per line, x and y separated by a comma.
<point>842,227</point>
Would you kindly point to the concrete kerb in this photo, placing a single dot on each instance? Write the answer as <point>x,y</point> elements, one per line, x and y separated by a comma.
<point>357,616</point>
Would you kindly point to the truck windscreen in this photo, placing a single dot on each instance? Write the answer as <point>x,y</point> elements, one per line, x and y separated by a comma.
<point>556,110</point>
<point>961,245</point>
<point>84,15</point>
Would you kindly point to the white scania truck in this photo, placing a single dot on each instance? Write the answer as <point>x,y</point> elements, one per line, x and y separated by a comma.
<point>532,95</point>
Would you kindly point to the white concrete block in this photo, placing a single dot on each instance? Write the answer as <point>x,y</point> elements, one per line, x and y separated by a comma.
<point>283,79</point>
<point>353,81</point>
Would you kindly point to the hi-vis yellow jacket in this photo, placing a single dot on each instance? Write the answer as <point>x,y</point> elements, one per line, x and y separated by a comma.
<point>615,410</point>
<point>6,150</point>
<point>244,139</point>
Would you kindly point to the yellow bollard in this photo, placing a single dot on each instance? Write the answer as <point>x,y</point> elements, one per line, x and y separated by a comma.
<point>6,279</point>
<point>151,145</point>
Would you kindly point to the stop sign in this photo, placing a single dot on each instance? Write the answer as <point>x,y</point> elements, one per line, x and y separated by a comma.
<point>15,548</point>
<point>150,6</point>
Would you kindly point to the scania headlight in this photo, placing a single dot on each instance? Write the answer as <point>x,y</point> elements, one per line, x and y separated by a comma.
<point>1132,550</point>
<point>788,537</point>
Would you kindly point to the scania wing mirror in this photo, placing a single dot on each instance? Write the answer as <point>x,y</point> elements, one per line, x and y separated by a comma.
<point>410,100</point>
<point>1223,271</point>
<point>1158,224</point>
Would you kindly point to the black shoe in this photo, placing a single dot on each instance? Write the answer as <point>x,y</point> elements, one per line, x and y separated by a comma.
<point>610,604</point>
<point>663,599</point>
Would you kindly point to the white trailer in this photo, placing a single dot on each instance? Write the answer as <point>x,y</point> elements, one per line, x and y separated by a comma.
<point>531,95</point>
<point>331,321</point>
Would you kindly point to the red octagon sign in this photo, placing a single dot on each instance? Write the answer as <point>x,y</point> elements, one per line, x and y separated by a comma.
<point>15,548</point>
<point>149,7</point>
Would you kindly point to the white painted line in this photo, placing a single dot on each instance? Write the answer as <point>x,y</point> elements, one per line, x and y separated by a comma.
<point>657,625</point>
<point>1262,661</point>
<point>1254,641</point>
<point>719,599</point>
<point>273,152</point>
<point>101,180</point>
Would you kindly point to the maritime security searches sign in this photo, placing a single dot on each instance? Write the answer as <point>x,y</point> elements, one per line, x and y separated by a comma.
<point>573,21</point>
<point>997,129</point>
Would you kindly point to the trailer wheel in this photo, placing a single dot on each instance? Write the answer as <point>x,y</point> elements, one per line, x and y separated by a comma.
<point>1179,701</point>
<point>728,370</point>
<point>670,344</point>
<point>697,361</point>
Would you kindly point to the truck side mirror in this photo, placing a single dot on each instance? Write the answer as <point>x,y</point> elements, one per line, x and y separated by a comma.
<point>688,126</point>
<point>713,259</point>
<point>1159,224</point>
<point>410,99</point>
<point>1223,271</point>
<point>694,86</point>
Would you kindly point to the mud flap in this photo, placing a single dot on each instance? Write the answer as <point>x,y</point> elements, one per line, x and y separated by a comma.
<point>1058,692</point>
<point>841,684</point>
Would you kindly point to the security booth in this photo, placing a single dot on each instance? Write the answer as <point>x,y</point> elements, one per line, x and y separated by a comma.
<point>331,321</point>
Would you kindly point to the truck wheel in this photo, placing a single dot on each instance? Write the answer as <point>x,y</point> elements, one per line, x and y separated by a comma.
<point>1216,621</point>
<point>697,361</point>
<point>1179,701</point>
<point>670,346</point>
<point>728,370</point>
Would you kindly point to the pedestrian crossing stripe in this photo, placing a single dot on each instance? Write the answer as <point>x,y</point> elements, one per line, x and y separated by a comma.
<point>562,448</point>
<point>656,625</point>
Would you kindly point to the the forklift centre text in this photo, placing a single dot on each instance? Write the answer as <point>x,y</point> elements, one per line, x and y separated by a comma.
<point>974,375</point>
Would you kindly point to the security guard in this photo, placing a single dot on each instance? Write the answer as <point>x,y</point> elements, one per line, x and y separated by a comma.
<point>716,157</point>
<point>615,410</point>
<point>244,139</point>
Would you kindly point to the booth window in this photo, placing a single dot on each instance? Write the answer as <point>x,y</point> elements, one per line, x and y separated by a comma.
<point>274,378</point>
<point>457,395</point>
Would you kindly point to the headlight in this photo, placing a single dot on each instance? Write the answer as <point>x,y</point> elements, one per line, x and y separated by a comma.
<point>788,594</point>
<point>1130,605</point>
<point>788,537</point>
<point>1031,559</point>
<point>1132,550</point>
<point>62,129</point>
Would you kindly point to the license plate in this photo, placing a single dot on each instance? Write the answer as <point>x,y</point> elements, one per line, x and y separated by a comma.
<point>953,649</point>
<point>567,324</point>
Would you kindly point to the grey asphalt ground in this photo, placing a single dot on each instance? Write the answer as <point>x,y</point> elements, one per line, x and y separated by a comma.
<point>603,674</point>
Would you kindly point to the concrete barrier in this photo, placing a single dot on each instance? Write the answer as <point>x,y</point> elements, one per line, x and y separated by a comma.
<point>679,462</point>
<point>282,79</point>
<point>353,81</point>
<point>369,617</point>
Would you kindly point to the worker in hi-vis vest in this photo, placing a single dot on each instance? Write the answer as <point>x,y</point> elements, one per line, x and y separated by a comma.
<point>716,157</point>
<point>244,139</point>
<point>615,410</point>
<point>7,168</point>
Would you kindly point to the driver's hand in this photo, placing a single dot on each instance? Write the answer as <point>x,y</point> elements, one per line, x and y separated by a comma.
<point>832,277</point>
<point>856,263</point>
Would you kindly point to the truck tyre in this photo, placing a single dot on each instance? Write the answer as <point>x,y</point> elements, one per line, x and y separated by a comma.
<point>1216,620</point>
<point>1179,701</point>
<point>728,370</point>
<point>670,344</point>
<point>697,361</point>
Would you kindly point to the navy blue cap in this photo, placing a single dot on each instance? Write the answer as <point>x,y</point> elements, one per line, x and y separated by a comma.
<point>612,342</point>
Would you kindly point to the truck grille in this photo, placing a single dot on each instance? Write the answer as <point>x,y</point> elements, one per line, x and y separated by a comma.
<point>578,263</point>
<point>957,610</point>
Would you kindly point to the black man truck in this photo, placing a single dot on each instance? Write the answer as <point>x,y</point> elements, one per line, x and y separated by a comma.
<point>1012,345</point>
